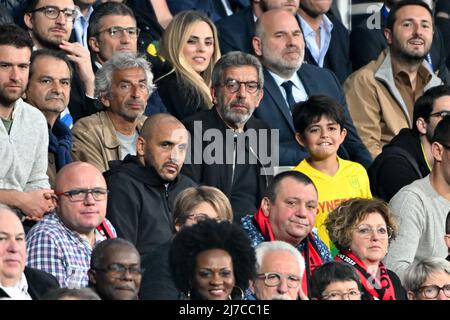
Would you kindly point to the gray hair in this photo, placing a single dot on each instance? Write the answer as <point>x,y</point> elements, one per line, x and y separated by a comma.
<point>236,59</point>
<point>418,272</point>
<point>269,246</point>
<point>121,61</point>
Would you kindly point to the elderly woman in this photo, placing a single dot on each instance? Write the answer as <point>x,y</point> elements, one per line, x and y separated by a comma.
<point>361,230</point>
<point>191,48</point>
<point>192,205</point>
<point>428,279</point>
<point>212,261</point>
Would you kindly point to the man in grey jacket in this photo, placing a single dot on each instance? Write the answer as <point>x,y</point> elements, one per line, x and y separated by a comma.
<point>422,207</point>
<point>23,131</point>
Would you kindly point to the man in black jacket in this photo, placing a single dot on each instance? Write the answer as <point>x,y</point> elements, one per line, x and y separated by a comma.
<point>18,282</point>
<point>230,149</point>
<point>408,156</point>
<point>143,188</point>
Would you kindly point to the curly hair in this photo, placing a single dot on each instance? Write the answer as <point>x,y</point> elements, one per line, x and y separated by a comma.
<point>208,235</point>
<point>350,213</point>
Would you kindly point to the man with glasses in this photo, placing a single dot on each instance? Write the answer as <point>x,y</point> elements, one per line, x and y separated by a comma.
<point>236,165</point>
<point>422,208</point>
<point>287,213</point>
<point>50,24</point>
<point>428,279</point>
<point>116,272</point>
<point>62,242</point>
<point>408,156</point>
<point>280,269</point>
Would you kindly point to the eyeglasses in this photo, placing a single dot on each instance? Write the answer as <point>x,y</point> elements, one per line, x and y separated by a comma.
<point>432,291</point>
<point>336,295</point>
<point>119,32</point>
<point>273,279</point>
<point>233,86</point>
<point>120,269</point>
<point>366,231</point>
<point>78,195</point>
<point>197,217</point>
<point>440,114</point>
<point>53,12</point>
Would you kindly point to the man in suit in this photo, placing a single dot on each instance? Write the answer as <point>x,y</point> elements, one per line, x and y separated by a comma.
<point>279,44</point>
<point>327,39</point>
<point>236,31</point>
<point>18,282</point>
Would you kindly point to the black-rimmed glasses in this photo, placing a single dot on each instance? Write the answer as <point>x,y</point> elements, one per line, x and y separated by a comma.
<point>119,269</point>
<point>233,85</point>
<point>52,12</point>
<point>78,195</point>
<point>432,291</point>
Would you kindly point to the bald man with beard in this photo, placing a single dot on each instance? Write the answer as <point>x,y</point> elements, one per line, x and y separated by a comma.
<point>142,188</point>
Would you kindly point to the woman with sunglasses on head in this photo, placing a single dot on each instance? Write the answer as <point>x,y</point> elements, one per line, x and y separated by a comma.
<point>190,47</point>
<point>361,230</point>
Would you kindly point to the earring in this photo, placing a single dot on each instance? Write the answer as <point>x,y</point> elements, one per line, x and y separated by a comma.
<point>242,293</point>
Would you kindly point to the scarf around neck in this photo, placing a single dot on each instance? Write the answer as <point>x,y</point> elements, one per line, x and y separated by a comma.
<point>379,286</point>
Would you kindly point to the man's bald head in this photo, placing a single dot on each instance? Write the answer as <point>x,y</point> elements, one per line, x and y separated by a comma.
<point>279,43</point>
<point>82,197</point>
<point>162,145</point>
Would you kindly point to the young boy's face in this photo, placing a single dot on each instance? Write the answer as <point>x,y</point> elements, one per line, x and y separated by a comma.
<point>323,138</point>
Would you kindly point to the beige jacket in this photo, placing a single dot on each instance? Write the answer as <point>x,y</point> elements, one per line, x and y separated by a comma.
<point>95,140</point>
<point>375,104</point>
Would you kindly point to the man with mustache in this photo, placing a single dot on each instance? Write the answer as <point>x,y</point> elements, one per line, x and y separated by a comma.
<point>116,271</point>
<point>287,213</point>
<point>49,91</point>
<point>229,147</point>
<point>381,95</point>
<point>123,86</point>
<point>143,188</point>
<point>279,44</point>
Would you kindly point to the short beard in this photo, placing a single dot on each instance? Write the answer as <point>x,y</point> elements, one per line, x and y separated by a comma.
<point>47,44</point>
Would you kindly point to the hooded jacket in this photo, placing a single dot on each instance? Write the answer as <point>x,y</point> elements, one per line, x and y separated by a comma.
<point>140,202</point>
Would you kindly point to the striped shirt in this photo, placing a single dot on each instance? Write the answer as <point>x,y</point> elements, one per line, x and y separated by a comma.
<point>54,248</point>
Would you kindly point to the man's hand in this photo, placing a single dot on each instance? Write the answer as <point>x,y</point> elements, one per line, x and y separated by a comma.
<point>82,59</point>
<point>36,203</point>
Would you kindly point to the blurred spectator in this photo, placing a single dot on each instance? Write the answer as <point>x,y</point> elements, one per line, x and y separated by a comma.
<point>71,294</point>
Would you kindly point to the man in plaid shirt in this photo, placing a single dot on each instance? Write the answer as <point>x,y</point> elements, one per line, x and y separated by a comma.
<point>62,242</point>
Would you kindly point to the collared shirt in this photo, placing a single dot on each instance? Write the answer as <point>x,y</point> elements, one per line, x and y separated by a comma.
<point>80,26</point>
<point>19,291</point>
<point>404,86</point>
<point>54,248</point>
<point>298,90</point>
<point>318,53</point>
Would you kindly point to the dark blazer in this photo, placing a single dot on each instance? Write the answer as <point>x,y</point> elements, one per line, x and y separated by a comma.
<point>274,111</point>
<point>39,283</point>
<point>236,32</point>
<point>337,58</point>
<point>374,42</point>
<point>220,173</point>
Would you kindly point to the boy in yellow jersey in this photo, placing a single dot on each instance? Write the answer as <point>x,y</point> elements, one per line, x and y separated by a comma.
<point>319,125</point>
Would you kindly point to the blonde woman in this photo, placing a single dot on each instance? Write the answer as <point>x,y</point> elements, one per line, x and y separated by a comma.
<point>191,49</point>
